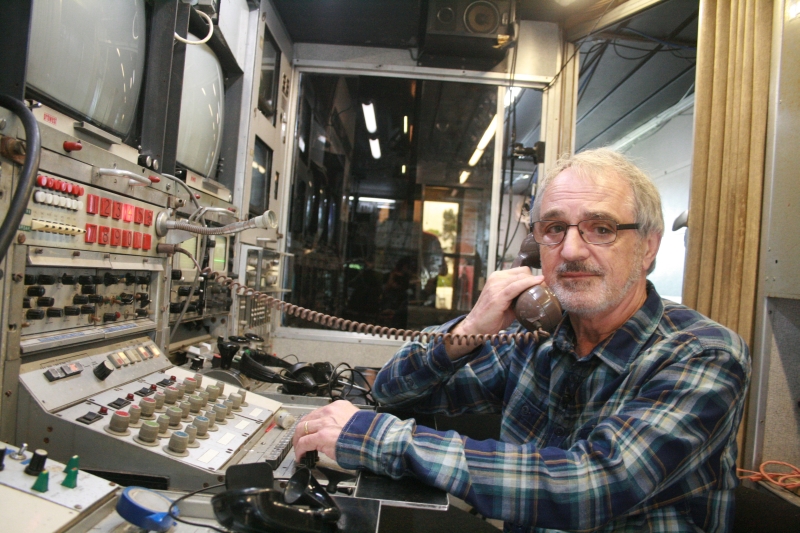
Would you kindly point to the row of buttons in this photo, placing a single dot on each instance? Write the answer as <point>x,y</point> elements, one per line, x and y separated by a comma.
<point>117,237</point>
<point>55,227</point>
<point>60,186</point>
<point>129,357</point>
<point>106,207</point>
<point>41,197</point>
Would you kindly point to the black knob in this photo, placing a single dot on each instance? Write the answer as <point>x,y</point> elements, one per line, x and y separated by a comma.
<point>85,280</point>
<point>143,280</point>
<point>68,279</point>
<point>36,290</point>
<point>110,279</point>
<point>216,361</point>
<point>45,301</point>
<point>130,278</point>
<point>30,279</point>
<point>46,279</point>
<point>141,313</point>
<point>175,307</point>
<point>72,310</point>
<point>88,289</point>
<point>88,309</point>
<point>103,370</point>
<point>184,290</point>
<point>110,317</point>
<point>2,456</point>
<point>197,363</point>
<point>80,300</point>
<point>96,299</point>
<point>26,303</point>
<point>177,275</point>
<point>55,312</point>
<point>192,307</point>
<point>97,280</point>
<point>125,298</point>
<point>36,465</point>
<point>34,314</point>
<point>143,298</point>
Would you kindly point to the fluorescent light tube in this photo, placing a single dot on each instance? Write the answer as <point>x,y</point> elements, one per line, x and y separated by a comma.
<point>369,117</point>
<point>375,146</point>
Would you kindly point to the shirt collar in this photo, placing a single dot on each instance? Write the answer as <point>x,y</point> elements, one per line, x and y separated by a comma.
<point>622,347</point>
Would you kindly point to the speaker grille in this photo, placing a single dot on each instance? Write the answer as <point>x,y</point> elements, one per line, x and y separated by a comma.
<point>481,17</point>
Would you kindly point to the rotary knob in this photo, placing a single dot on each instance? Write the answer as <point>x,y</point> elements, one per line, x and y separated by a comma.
<point>148,434</point>
<point>243,394</point>
<point>118,424</point>
<point>186,407</point>
<point>103,370</point>
<point>171,394</point>
<point>163,426</point>
<point>237,401</point>
<point>178,442</point>
<point>204,395</point>
<point>212,419</point>
<point>195,403</point>
<point>135,413</point>
<point>192,432</point>
<point>34,314</point>
<point>213,393</point>
<point>55,312</point>
<point>221,411</point>
<point>201,423</point>
<point>175,414</point>
<point>160,398</point>
<point>229,406</point>
<point>148,406</point>
<point>37,462</point>
<point>36,290</point>
<point>221,387</point>
<point>190,384</point>
<point>72,310</point>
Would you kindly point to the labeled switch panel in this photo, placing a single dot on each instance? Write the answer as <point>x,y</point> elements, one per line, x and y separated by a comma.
<point>63,213</point>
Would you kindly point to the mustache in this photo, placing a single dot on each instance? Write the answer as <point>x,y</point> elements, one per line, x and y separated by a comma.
<point>578,266</point>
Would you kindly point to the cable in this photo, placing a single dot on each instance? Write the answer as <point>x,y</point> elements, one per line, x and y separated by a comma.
<point>19,203</point>
<point>785,480</point>
<point>172,507</point>
<point>291,355</point>
<point>205,39</point>
<point>192,289</point>
<point>182,184</point>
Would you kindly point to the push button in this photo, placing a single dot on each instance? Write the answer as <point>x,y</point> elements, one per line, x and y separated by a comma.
<point>138,215</point>
<point>91,234</point>
<point>105,207</point>
<point>103,235</point>
<point>137,240</point>
<point>148,217</point>
<point>127,213</point>
<point>127,238</point>
<point>116,210</point>
<point>116,236</point>
<point>92,204</point>
<point>147,241</point>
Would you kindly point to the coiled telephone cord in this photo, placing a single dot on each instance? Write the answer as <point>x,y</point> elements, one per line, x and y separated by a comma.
<point>371,329</point>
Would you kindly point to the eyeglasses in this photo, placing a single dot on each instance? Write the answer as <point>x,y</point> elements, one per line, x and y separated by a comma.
<point>593,231</point>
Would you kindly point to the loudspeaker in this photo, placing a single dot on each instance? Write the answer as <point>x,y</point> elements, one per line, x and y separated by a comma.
<point>466,33</point>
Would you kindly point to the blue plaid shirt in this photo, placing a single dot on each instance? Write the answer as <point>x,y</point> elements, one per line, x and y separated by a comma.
<point>638,436</point>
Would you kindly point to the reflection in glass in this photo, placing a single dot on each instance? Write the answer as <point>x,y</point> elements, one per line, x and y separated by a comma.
<point>259,183</point>
<point>270,70</point>
<point>397,241</point>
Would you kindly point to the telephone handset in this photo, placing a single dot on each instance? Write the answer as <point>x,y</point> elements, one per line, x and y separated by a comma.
<point>537,307</point>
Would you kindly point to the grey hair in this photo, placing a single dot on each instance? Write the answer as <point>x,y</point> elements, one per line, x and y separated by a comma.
<point>604,162</point>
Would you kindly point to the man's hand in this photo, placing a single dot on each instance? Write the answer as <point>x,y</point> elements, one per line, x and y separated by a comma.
<point>320,429</point>
<point>493,312</point>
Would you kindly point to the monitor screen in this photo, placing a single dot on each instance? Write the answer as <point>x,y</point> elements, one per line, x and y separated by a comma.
<point>87,56</point>
<point>202,111</point>
<point>185,262</point>
<point>219,258</point>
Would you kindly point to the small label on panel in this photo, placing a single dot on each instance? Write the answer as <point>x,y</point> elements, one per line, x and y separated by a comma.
<point>256,412</point>
<point>208,456</point>
<point>226,438</point>
<point>243,424</point>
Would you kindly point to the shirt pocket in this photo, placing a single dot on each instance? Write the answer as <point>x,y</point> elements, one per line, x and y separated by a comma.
<point>523,421</point>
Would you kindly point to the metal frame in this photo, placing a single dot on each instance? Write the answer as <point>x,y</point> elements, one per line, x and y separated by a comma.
<point>175,90</point>
<point>15,31</point>
<point>616,15</point>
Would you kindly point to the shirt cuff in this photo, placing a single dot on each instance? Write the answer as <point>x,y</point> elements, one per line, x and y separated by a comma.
<point>360,442</point>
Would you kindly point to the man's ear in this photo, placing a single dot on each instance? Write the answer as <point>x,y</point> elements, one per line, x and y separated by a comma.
<point>652,242</point>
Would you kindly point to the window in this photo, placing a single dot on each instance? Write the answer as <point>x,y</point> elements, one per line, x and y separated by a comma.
<point>270,78</point>
<point>260,182</point>
<point>389,223</point>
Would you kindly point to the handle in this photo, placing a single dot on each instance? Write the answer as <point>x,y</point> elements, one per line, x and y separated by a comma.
<point>135,179</point>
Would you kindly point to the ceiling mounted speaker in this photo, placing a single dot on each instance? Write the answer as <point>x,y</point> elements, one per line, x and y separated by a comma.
<point>481,17</point>
<point>466,33</point>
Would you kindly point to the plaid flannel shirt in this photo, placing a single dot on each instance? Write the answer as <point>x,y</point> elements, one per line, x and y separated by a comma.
<point>638,436</point>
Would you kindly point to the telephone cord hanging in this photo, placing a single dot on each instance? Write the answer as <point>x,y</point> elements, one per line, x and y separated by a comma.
<point>360,327</point>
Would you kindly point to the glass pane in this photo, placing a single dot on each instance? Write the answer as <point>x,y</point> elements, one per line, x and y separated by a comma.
<point>384,227</point>
<point>259,185</point>
<point>270,71</point>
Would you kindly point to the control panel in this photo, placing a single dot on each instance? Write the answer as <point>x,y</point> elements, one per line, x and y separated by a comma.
<point>66,213</point>
<point>124,408</point>
<point>49,496</point>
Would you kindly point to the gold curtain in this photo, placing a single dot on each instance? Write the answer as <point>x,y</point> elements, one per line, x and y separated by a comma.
<point>731,98</point>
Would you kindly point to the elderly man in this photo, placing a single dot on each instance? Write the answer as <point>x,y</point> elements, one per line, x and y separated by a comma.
<point>625,420</point>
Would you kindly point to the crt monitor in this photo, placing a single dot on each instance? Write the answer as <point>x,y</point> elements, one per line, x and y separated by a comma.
<point>86,58</point>
<point>202,111</point>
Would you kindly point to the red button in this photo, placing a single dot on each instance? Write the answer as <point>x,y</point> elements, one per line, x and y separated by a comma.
<point>41,181</point>
<point>148,217</point>
<point>92,204</point>
<point>147,241</point>
<point>81,190</point>
<point>127,212</point>
<point>103,410</point>
<point>127,238</point>
<point>138,215</point>
<point>105,207</point>
<point>51,183</point>
<point>116,236</point>
<point>137,240</point>
<point>153,387</point>
<point>91,233</point>
<point>103,235</point>
<point>64,186</point>
<point>130,396</point>
<point>116,211</point>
